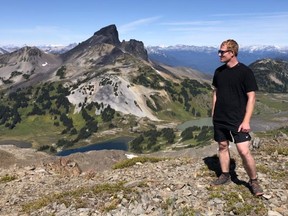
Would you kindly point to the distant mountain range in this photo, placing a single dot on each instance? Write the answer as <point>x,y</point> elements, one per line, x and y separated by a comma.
<point>206,60</point>
<point>54,49</point>
<point>201,58</point>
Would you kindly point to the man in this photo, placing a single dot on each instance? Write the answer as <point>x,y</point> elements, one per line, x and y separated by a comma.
<point>233,104</point>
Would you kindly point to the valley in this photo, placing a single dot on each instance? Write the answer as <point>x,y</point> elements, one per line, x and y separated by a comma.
<point>270,114</point>
<point>102,89</point>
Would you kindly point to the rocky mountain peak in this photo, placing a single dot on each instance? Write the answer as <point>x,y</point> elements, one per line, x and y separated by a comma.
<point>23,67</point>
<point>108,34</point>
<point>135,48</point>
<point>29,52</point>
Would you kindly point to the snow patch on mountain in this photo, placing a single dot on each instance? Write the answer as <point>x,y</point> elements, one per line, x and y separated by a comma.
<point>252,48</point>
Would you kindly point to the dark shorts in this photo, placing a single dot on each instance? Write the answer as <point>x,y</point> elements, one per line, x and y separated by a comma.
<point>223,134</point>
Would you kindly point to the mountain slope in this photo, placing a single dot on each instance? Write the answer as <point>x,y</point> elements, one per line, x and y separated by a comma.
<point>2,51</point>
<point>98,85</point>
<point>110,67</point>
<point>271,75</point>
<point>26,66</point>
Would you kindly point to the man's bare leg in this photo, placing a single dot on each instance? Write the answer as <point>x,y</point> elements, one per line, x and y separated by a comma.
<point>247,159</point>
<point>250,167</point>
<point>224,156</point>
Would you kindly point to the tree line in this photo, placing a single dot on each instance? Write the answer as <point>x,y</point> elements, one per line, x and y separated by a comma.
<point>154,140</point>
<point>51,99</point>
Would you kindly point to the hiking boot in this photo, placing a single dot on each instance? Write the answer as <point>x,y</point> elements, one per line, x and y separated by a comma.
<point>255,187</point>
<point>222,179</point>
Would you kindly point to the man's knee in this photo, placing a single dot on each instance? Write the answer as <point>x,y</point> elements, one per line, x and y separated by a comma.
<point>223,146</point>
<point>243,149</point>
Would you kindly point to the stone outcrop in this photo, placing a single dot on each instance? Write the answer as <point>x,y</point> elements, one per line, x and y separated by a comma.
<point>136,48</point>
<point>108,34</point>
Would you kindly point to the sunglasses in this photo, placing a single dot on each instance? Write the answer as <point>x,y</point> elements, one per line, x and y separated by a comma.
<point>222,52</point>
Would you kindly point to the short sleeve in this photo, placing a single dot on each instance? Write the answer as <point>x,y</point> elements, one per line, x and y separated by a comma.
<point>250,81</point>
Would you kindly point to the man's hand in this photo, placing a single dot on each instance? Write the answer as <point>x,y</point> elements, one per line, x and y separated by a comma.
<point>244,127</point>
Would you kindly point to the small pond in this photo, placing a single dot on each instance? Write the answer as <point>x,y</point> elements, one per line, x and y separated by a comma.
<point>115,144</point>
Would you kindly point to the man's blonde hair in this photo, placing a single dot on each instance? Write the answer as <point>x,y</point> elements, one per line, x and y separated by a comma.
<point>231,45</point>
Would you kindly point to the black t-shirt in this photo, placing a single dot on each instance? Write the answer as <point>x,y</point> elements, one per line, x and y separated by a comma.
<point>232,86</point>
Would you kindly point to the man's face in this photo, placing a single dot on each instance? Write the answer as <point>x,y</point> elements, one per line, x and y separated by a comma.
<point>225,54</point>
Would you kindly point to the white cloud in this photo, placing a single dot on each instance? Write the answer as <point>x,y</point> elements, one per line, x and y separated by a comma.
<point>193,23</point>
<point>135,24</point>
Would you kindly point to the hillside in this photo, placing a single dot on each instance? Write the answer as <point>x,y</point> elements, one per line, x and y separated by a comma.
<point>26,67</point>
<point>271,75</point>
<point>71,99</point>
<point>163,183</point>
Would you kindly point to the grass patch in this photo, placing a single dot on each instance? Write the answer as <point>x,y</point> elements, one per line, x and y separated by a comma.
<point>204,171</point>
<point>282,150</point>
<point>272,102</point>
<point>35,130</point>
<point>107,192</point>
<point>263,169</point>
<point>185,211</point>
<point>278,173</point>
<point>7,178</point>
<point>239,201</point>
<point>174,112</point>
<point>133,161</point>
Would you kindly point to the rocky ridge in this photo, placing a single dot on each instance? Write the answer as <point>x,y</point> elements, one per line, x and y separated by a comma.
<point>178,184</point>
<point>271,75</point>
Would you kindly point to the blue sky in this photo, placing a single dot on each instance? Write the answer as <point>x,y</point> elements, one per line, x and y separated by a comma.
<point>155,22</point>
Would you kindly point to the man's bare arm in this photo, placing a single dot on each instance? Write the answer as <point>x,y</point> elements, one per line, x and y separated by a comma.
<point>214,98</point>
<point>245,125</point>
